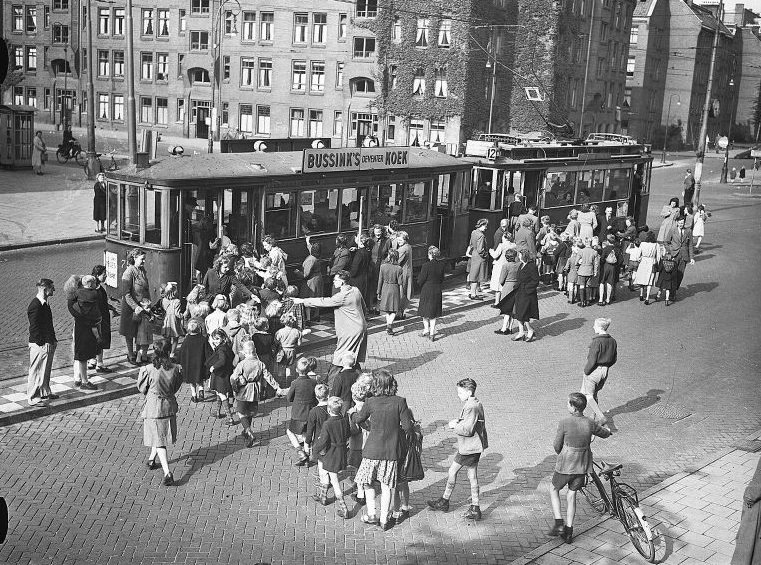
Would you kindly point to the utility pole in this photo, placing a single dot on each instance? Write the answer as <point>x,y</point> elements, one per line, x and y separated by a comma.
<point>91,162</point>
<point>725,165</point>
<point>493,76</point>
<point>706,109</point>
<point>586,67</point>
<point>131,118</point>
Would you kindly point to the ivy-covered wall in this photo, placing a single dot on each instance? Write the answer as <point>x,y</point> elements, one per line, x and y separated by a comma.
<point>464,61</point>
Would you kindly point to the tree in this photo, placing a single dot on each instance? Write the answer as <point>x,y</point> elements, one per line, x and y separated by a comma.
<point>757,112</point>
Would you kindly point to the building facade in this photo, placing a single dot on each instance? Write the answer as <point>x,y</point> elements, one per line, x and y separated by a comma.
<point>406,74</point>
<point>574,53</point>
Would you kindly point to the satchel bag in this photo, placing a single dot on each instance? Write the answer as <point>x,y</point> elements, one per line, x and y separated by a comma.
<point>669,265</point>
<point>413,464</point>
<point>611,259</point>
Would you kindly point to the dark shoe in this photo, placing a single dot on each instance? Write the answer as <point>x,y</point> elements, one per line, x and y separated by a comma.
<point>51,396</point>
<point>200,395</point>
<point>389,331</point>
<point>557,529</point>
<point>432,337</point>
<point>78,384</point>
<point>386,526</point>
<point>193,399</point>
<point>500,332</point>
<point>301,458</point>
<point>441,504</point>
<point>647,303</point>
<point>401,317</point>
<point>494,306</point>
<point>403,515</point>
<point>358,500</point>
<point>668,303</point>
<point>320,500</point>
<point>168,480</point>
<point>601,303</point>
<point>231,422</point>
<point>152,464</point>
<point>251,439</point>
<point>132,360</point>
<point>473,513</point>
<point>89,386</point>
<point>102,369</point>
<point>567,534</point>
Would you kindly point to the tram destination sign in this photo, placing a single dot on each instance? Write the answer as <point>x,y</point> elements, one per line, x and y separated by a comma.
<point>355,159</point>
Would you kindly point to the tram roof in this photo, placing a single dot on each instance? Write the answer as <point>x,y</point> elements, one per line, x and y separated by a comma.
<point>212,168</point>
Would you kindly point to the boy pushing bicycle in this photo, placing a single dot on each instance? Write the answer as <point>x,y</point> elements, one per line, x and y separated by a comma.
<point>572,444</point>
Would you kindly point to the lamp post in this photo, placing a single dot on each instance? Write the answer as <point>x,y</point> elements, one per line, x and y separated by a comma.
<point>130,71</point>
<point>586,67</point>
<point>668,121</point>
<point>91,162</point>
<point>725,165</point>
<point>216,55</point>
<point>493,65</point>
<point>64,103</point>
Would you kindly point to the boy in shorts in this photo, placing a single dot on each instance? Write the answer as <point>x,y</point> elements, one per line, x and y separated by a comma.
<point>572,444</point>
<point>472,440</point>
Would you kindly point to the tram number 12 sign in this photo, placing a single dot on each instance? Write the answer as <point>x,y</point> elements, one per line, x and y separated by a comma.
<point>355,159</point>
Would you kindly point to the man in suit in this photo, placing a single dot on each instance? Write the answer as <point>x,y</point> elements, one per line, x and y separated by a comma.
<point>606,223</point>
<point>502,229</point>
<point>679,244</point>
<point>689,188</point>
<point>42,344</point>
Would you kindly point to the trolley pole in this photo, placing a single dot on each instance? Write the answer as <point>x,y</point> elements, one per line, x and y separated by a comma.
<point>131,118</point>
<point>91,162</point>
<point>706,109</point>
<point>586,68</point>
<point>493,76</point>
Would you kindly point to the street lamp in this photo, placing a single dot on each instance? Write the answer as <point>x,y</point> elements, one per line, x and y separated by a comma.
<point>668,121</point>
<point>215,118</point>
<point>725,165</point>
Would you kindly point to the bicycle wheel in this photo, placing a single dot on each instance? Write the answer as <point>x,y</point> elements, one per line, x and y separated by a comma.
<point>636,527</point>
<point>61,157</point>
<point>593,493</point>
<point>81,158</point>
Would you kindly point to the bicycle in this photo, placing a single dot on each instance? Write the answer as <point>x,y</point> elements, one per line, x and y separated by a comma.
<point>63,154</point>
<point>622,503</point>
<point>112,166</point>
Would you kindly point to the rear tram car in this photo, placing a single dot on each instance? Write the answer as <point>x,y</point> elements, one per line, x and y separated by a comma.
<point>290,195</point>
<point>605,169</point>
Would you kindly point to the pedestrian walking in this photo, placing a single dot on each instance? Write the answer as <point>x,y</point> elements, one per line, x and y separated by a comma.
<point>219,364</point>
<point>587,268</point>
<point>343,381</point>
<point>82,301</point>
<point>389,416</point>
<point>389,290</point>
<point>359,270</point>
<point>405,262</point>
<point>42,344</point>
<point>477,264</point>
<point>99,272</point>
<point>526,300</point>
<point>498,255</point>
<point>134,323</point>
<point>159,382</point>
<point>679,244</point>
<point>650,256</point>
<point>699,229</point>
<point>349,316</point>
<point>741,174</point>
<point>748,540</point>
<point>587,222</point>
<point>669,213</point>
<point>39,153</point>
<point>430,279</point>
<point>172,328</point>
<point>509,281</point>
<point>341,260</point>
<point>192,358</point>
<point>301,394</point>
<point>603,354</point>
<point>472,440</point>
<point>331,453</point>
<point>689,187</point>
<point>525,237</point>
<point>100,192</point>
<point>667,278</point>
<point>311,279</point>
<point>315,419</point>
<point>572,445</point>
<point>611,261</point>
<point>381,245</point>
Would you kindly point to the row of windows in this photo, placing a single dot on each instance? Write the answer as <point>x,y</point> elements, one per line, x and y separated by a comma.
<point>423,31</point>
<point>609,98</point>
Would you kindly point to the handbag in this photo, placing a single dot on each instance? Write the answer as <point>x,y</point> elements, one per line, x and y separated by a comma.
<point>413,464</point>
<point>611,259</point>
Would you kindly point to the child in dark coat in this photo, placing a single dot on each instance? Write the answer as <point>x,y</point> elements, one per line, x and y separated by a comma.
<point>331,459</point>
<point>192,358</point>
<point>341,385</point>
<point>316,418</point>
<point>301,394</point>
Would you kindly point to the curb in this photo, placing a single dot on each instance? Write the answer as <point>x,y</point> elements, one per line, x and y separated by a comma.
<point>80,239</point>
<point>588,525</point>
<point>34,412</point>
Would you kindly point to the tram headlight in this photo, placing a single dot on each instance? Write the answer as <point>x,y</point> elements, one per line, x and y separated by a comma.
<point>176,150</point>
<point>260,146</point>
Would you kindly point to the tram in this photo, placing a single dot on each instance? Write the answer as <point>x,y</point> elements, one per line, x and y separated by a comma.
<point>290,195</point>
<point>557,176</point>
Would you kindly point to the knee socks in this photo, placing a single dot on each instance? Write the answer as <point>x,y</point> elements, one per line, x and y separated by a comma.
<point>474,492</point>
<point>451,482</point>
<point>245,421</point>
<point>322,494</point>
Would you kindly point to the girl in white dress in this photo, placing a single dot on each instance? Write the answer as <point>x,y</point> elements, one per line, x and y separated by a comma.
<point>699,226</point>
<point>498,255</point>
<point>645,276</point>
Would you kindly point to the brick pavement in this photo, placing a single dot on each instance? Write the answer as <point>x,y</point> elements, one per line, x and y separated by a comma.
<point>695,515</point>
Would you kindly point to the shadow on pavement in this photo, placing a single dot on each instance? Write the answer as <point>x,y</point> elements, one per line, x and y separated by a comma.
<point>693,289</point>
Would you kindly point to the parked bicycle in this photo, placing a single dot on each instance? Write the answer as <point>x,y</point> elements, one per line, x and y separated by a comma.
<point>112,166</point>
<point>71,151</point>
<point>621,503</point>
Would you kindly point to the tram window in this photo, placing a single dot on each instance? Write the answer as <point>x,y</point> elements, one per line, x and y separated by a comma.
<point>174,214</point>
<point>113,203</point>
<point>350,208</point>
<point>584,187</point>
<point>280,214</point>
<point>481,196</point>
<point>598,186</point>
<point>318,211</point>
<point>418,196</point>
<point>130,212</point>
<point>442,194</point>
<point>386,203</point>
<point>619,184</point>
<point>152,216</point>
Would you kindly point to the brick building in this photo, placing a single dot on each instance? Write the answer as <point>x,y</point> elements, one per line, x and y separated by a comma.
<point>406,73</point>
<point>558,44</point>
<point>646,70</point>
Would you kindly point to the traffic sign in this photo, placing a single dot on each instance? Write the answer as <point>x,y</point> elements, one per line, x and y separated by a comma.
<point>723,142</point>
<point>755,153</point>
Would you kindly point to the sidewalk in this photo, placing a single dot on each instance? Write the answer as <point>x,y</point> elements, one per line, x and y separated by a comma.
<point>13,398</point>
<point>696,516</point>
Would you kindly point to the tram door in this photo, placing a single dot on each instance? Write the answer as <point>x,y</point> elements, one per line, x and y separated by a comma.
<point>452,213</point>
<point>239,215</point>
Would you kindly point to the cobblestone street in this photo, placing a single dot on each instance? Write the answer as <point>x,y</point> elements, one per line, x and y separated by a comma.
<point>685,387</point>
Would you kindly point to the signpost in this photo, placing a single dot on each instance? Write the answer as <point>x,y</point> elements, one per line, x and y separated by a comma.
<point>756,154</point>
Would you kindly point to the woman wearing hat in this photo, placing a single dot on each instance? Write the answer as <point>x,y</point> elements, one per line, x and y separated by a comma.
<point>478,251</point>
<point>99,203</point>
<point>134,324</point>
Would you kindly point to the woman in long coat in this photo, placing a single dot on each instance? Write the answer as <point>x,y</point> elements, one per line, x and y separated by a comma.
<point>219,363</point>
<point>311,278</point>
<point>389,290</point>
<point>646,270</point>
<point>405,262</point>
<point>477,264</point>
<point>341,260</point>
<point>508,278</point>
<point>526,300</point>
<point>351,326</point>
<point>39,150</point>
<point>430,279</point>
<point>99,272</point>
<point>159,382</point>
<point>83,306</point>
<point>359,271</point>
<point>99,203</point>
<point>133,323</point>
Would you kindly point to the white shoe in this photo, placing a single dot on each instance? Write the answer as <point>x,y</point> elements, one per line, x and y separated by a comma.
<point>34,401</point>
